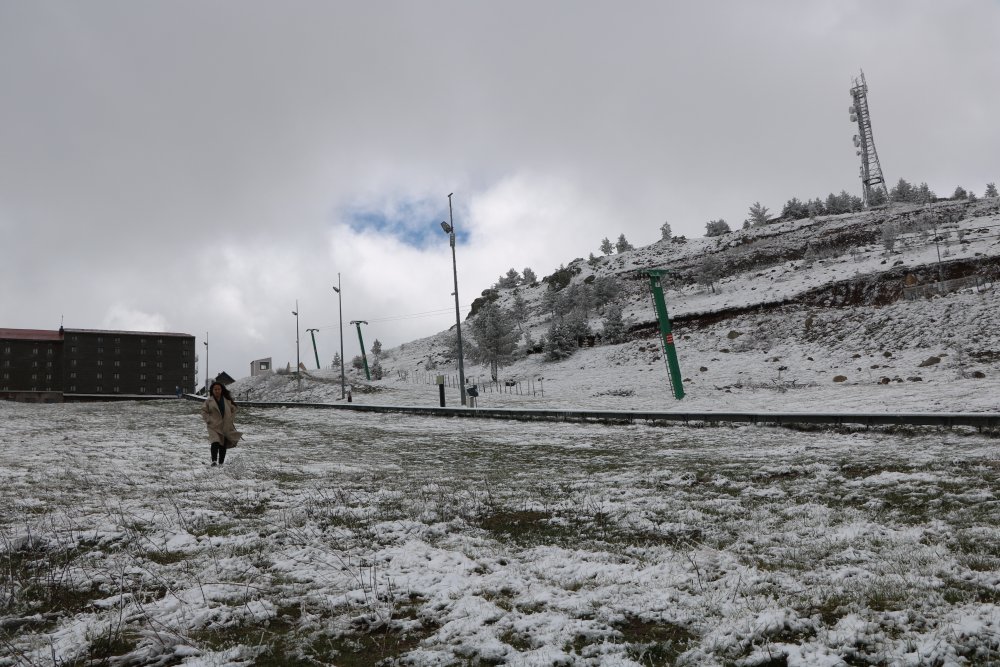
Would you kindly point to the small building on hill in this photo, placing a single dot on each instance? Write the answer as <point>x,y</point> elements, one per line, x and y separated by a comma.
<point>260,367</point>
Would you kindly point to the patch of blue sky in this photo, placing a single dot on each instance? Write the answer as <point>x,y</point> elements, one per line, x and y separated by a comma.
<point>415,223</point>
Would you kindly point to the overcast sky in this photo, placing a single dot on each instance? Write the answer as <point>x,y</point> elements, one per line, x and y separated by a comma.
<point>197,167</point>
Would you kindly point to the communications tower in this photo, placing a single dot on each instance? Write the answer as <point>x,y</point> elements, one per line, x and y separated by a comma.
<point>873,188</point>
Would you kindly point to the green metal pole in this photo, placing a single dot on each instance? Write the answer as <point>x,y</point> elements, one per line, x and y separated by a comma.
<point>312,332</point>
<point>673,368</point>
<point>364,357</point>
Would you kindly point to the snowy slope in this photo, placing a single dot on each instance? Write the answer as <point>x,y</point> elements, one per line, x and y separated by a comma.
<point>807,316</point>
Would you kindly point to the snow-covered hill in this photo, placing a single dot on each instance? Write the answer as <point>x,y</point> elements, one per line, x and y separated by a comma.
<point>805,315</point>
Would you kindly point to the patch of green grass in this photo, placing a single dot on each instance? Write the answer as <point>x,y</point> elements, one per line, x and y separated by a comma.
<point>654,642</point>
<point>212,530</point>
<point>166,557</point>
<point>102,649</point>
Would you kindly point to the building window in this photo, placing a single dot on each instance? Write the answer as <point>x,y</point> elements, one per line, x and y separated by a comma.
<point>142,364</point>
<point>6,376</point>
<point>6,363</point>
<point>6,349</point>
<point>98,388</point>
<point>49,352</point>
<point>34,376</point>
<point>34,364</point>
<point>73,338</point>
<point>72,387</point>
<point>159,341</point>
<point>117,363</point>
<point>159,377</point>
<point>100,339</point>
<point>48,364</point>
<point>48,376</point>
<point>142,376</point>
<point>184,365</point>
<point>100,376</point>
<point>115,376</point>
<point>118,350</point>
<point>72,376</point>
<point>72,362</point>
<point>159,364</point>
<point>117,339</point>
<point>117,389</point>
<point>100,362</point>
<point>100,350</point>
<point>73,349</point>
<point>159,353</point>
<point>34,351</point>
<point>142,390</point>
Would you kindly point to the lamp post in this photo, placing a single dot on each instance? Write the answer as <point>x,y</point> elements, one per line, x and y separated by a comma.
<point>206,363</point>
<point>296,314</point>
<point>449,229</point>
<point>340,309</point>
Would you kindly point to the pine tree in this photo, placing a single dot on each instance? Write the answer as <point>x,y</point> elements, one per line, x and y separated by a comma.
<point>665,231</point>
<point>519,311</point>
<point>622,244</point>
<point>991,190</point>
<point>559,344</point>
<point>606,246</point>
<point>902,192</point>
<point>708,271</point>
<point>495,337</point>
<point>960,193</point>
<point>529,277</point>
<point>376,368</point>
<point>716,227</point>
<point>794,209</point>
<point>758,214</point>
<point>614,324</point>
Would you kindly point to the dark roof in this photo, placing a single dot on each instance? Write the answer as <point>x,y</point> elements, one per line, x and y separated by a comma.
<point>224,378</point>
<point>29,334</point>
<point>129,333</point>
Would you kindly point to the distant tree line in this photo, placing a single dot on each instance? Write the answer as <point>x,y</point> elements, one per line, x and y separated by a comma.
<point>836,204</point>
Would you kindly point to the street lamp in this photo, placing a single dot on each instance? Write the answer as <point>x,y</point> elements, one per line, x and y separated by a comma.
<point>206,362</point>
<point>449,229</point>
<point>296,314</point>
<point>340,309</point>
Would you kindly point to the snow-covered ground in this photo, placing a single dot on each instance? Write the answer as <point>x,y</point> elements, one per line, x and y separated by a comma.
<point>348,539</point>
<point>341,538</point>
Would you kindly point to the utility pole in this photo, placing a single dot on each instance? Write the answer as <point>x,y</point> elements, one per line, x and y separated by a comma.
<point>340,310</point>
<point>298,363</point>
<point>449,229</point>
<point>364,357</point>
<point>312,333</point>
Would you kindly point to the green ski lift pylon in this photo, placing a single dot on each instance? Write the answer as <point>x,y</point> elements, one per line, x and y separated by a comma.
<point>312,332</point>
<point>669,351</point>
<point>364,357</point>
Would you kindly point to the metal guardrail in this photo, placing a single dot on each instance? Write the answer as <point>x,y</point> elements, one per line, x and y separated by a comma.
<point>979,420</point>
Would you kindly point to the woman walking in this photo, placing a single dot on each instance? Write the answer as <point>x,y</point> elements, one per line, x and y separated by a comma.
<point>219,412</point>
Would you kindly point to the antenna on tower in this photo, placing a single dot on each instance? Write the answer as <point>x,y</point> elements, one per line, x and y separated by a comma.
<point>872,181</point>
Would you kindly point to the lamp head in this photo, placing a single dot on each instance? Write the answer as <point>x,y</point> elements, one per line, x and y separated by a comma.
<point>336,289</point>
<point>448,229</point>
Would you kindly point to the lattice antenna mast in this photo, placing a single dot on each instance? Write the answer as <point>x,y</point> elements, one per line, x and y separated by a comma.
<point>872,181</point>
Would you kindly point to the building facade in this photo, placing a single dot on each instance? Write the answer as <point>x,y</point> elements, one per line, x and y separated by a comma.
<point>88,363</point>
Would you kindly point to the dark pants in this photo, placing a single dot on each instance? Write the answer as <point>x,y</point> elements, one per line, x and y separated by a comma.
<point>218,452</point>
